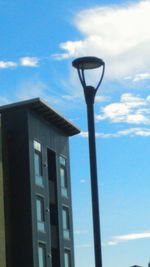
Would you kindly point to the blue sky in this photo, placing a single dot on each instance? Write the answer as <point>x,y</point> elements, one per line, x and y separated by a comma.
<point>39,40</point>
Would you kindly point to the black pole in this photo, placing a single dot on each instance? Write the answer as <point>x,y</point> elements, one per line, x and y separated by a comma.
<point>90,92</point>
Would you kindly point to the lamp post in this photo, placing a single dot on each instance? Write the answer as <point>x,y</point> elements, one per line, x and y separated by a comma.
<point>82,64</point>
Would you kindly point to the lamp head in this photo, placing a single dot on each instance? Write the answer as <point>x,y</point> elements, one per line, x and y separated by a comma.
<point>87,63</point>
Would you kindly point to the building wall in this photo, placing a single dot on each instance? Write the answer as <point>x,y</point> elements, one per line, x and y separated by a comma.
<point>17,189</point>
<point>20,128</point>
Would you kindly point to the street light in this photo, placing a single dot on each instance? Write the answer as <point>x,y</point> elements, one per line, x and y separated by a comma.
<point>82,64</point>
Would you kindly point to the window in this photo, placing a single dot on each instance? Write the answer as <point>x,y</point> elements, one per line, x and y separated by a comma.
<point>37,146</point>
<point>67,258</point>
<point>63,177</point>
<point>66,224</point>
<point>38,163</point>
<point>42,255</point>
<point>40,213</point>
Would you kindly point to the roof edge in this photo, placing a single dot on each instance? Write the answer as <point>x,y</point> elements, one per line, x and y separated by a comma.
<point>42,107</point>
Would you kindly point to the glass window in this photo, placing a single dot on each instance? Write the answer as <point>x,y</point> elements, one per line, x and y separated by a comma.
<point>37,146</point>
<point>62,161</point>
<point>40,213</point>
<point>67,258</point>
<point>38,163</point>
<point>42,255</point>
<point>66,224</point>
<point>63,177</point>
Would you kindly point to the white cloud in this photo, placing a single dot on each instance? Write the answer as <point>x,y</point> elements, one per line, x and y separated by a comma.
<point>83,134</point>
<point>138,77</point>
<point>118,34</point>
<point>132,132</point>
<point>86,245</point>
<point>131,109</point>
<point>7,64</point>
<point>111,243</point>
<point>29,61</point>
<point>82,181</point>
<point>80,232</point>
<point>71,48</point>
<point>70,97</point>
<point>23,61</point>
<point>129,237</point>
<point>145,132</point>
<point>141,77</point>
<point>101,99</point>
<point>98,135</point>
<point>75,97</point>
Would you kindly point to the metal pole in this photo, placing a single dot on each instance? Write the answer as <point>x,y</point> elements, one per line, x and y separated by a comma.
<point>89,97</point>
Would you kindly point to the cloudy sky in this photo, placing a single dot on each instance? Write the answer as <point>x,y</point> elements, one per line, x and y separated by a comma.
<point>38,43</point>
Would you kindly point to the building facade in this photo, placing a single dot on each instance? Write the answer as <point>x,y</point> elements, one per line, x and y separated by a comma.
<point>36,209</point>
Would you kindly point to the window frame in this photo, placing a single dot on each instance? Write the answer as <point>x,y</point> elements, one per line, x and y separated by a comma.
<point>66,225</point>
<point>44,258</point>
<point>67,252</point>
<point>41,199</point>
<point>64,179</point>
<point>38,151</point>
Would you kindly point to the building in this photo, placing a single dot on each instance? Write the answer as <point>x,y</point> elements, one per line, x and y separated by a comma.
<point>35,195</point>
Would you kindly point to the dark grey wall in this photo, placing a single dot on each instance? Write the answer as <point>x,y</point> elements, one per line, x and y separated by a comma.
<point>17,189</point>
<point>55,140</point>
